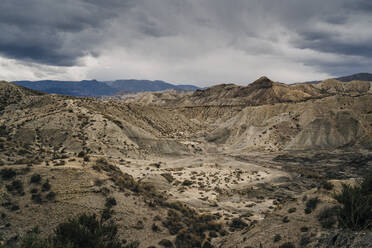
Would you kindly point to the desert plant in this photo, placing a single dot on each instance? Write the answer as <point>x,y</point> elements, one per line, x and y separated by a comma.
<point>46,186</point>
<point>87,231</point>
<point>327,217</point>
<point>327,185</point>
<point>356,204</point>
<point>292,210</point>
<point>51,196</point>
<point>35,178</point>
<point>37,198</point>
<point>16,187</point>
<point>83,231</point>
<point>287,245</point>
<point>311,205</point>
<point>110,202</point>
<point>304,241</point>
<point>7,174</point>
<point>277,238</point>
<point>107,213</point>
<point>33,240</point>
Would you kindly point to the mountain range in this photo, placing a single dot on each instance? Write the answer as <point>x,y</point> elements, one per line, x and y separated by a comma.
<point>354,77</point>
<point>101,88</point>
<point>122,87</point>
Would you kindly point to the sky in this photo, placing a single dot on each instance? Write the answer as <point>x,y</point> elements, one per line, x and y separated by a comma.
<point>201,42</point>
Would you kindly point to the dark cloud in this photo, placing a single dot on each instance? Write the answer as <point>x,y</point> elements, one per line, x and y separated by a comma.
<point>191,40</point>
<point>359,5</point>
<point>54,32</point>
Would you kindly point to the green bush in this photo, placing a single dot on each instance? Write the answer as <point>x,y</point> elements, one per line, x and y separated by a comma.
<point>356,205</point>
<point>87,231</point>
<point>84,231</point>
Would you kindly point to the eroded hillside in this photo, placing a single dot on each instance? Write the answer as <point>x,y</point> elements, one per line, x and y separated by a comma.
<point>227,166</point>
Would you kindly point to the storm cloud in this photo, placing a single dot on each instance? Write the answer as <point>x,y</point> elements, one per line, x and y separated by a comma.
<point>184,41</point>
<point>54,32</point>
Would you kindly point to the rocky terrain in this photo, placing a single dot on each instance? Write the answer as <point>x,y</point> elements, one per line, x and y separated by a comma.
<point>227,166</point>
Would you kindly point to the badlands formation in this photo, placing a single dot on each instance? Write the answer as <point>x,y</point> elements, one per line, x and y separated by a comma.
<point>226,166</point>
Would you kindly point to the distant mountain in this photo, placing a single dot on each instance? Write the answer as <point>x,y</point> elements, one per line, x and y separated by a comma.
<point>359,77</point>
<point>101,88</point>
<point>354,77</point>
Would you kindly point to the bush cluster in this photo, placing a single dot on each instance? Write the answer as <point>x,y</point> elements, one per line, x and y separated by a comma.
<point>83,231</point>
<point>356,204</point>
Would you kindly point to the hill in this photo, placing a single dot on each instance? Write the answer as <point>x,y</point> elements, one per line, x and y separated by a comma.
<point>226,166</point>
<point>260,92</point>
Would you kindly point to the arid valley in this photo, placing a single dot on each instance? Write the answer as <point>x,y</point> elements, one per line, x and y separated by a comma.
<point>224,166</point>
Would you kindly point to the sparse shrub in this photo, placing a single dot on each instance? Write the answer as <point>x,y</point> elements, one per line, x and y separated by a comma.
<point>84,231</point>
<point>287,245</point>
<point>305,240</point>
<point>81,154</point>
<point>311,205</point>
<point>155,227</point>
<point>327,217</point>
<point>238,223</point>
<point>87,231</point>
<point>46,186</point>
<point>292,210</point>
<point>36,198</point>
<point>187,182</point>
<point>98,182</point>
<point>51,196</point>
<point>14,207</point>
<point>356,204</point>
<point>139,225</point>
<point>107,213</point>
<point>86,158</point>
<point>187,240</point>
<point>16,187</point>
<point>166,243</point>
<point>304,229</point>
<point>7,174</point>
<point>277,238</point>
<point>33,240</point>
<point>307,211</point>
<point>327,185</point>
<point>110,202</point>
<point>34,191</point>
<point>285,219</point>
<point>35,178</point>
<point>101,161</point>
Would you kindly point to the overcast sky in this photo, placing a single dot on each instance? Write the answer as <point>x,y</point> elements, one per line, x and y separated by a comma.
<point>200,42</point>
